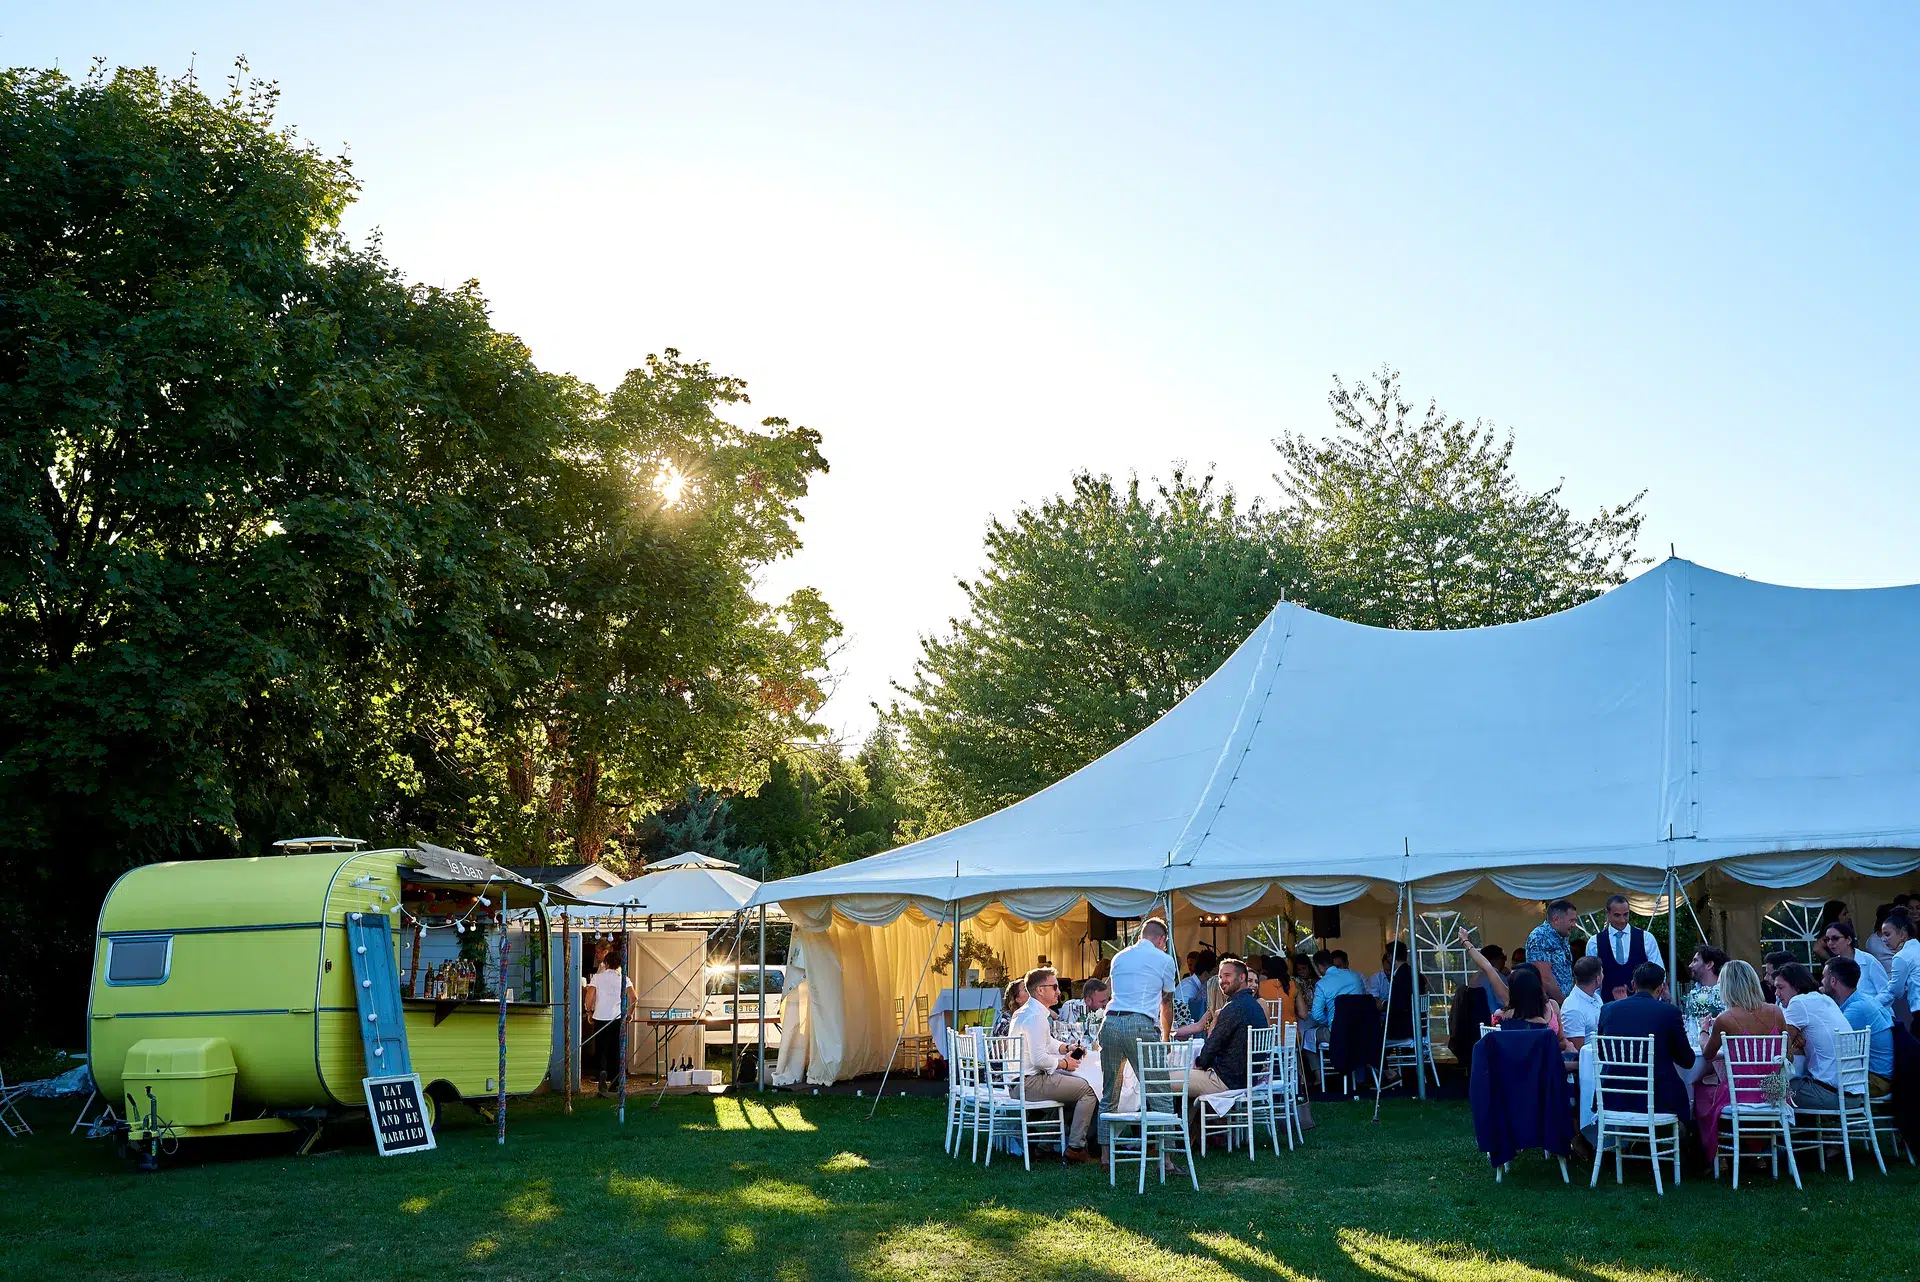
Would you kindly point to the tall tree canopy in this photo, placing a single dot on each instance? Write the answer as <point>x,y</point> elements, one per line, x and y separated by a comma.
<point>1097,611</point>
<point>288,543</point>
<point>1419,522</point>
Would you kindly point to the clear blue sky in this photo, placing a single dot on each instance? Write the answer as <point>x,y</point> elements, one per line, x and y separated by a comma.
<point>977,248</point>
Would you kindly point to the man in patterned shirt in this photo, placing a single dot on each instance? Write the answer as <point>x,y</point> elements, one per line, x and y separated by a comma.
<point>1548,951</point>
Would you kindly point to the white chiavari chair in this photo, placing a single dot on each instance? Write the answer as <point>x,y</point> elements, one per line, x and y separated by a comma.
<point>1746,1062</point>
<point>1627,1112</point>
<point>1160,1128</point>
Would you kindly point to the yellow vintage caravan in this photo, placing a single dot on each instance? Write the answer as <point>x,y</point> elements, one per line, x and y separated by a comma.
<point>224,1000</point>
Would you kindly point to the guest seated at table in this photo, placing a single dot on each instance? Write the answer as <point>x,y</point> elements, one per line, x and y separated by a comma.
<point>1580,1013</point>
<point>1903,981</point>
<point>1527,1004</point>
<point>1874,985</point>
<point>1644,1013</point>
<point>1496,958</point>
<point>1096,993</point>
<point>1522,992</point>
<point>1190,997</point>
<point>1010,1004</point>
<point>1746,1013</point>
<point>1221,1065</point>
<point>1770,969</point>
<point>1050,1063</point>
<point>1338,982</point>
<point>1814,1023</point>
<point>1705,969</point>
<point>1380,982</point>
<point>1873,942</point>
<point>1273,975</point>
<point>1840,980</point>
<point>1202,1023</point>
<point>1306,980</point>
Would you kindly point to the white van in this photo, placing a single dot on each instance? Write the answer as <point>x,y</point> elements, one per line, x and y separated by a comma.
<point>730,986</point>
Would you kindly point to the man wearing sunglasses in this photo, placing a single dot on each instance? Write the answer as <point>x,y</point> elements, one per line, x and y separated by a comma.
<point>1050,1064</point>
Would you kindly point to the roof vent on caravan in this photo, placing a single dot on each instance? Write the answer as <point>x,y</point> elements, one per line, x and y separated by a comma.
<point>316,845</point>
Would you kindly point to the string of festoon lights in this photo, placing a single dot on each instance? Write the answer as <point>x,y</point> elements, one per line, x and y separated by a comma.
<point>458,924</point>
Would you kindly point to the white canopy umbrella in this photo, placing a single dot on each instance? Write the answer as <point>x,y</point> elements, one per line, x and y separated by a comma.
<point>690,859</point>
<point>684,891</point>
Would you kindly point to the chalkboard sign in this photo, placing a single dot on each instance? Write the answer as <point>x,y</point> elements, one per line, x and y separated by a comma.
<point>399,1114</point>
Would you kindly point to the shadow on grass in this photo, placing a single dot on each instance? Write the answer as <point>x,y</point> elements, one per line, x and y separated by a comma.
<point>759,1188</point>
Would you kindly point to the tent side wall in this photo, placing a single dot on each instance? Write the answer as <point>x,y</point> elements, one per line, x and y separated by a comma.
<point>854,973</point>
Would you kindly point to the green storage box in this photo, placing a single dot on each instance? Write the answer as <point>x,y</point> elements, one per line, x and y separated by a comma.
<point>191,1077</point>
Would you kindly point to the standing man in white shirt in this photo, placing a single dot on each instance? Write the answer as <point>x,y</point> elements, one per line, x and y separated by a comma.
<point>1621,947</point>
<point>1143,979</point>
<point>1050,1066</point>
<point>1580,1012</point>
<point>1903,985</point>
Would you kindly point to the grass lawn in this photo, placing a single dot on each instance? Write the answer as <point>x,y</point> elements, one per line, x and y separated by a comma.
<point>803,1187</point>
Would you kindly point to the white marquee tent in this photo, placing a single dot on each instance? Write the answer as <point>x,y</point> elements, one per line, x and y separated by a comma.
<point>1688,724</point>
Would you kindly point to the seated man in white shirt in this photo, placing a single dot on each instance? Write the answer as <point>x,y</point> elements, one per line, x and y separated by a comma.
<point>1814,1024</point>
<point>1580,1012</point>
<point>1050,1065</point>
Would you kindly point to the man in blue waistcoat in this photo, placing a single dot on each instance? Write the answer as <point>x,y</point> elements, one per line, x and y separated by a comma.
<point>1621,947</point>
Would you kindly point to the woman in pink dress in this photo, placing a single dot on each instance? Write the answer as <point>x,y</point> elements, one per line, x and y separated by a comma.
<point>1748,1014</point>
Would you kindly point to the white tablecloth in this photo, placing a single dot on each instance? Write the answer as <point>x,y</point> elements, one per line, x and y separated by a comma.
<point>940,1018</point>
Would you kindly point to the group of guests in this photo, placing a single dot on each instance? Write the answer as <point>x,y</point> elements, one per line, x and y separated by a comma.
<point>1137,1001</point>
<point>1619,987</point>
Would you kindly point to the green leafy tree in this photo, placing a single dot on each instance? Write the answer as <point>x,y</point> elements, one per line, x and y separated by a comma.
<point>1417,521</point>
<point>288,543</point>
<point>1098,610</point>
<point>259,496</point>
<point>662,668</point>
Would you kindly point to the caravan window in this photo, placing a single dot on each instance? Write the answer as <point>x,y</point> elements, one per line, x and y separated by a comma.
<point>139,959</point>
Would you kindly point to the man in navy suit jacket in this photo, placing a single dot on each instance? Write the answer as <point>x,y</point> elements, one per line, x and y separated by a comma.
<point>1643,1013</point>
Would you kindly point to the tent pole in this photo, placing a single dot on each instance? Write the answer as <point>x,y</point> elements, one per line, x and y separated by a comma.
<point>1380,1068</point>
<point>911,1005</point>
<point>1673,939</point>
<point>733,1034</point>
<point>953,1010</point>
<point>1419,1007</point>
<point>625,942</point>
<point>760,1060</point>
<point>572,970</point>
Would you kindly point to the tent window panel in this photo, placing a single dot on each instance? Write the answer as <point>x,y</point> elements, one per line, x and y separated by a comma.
<point>143,959</point>
<point>1793,926</point>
